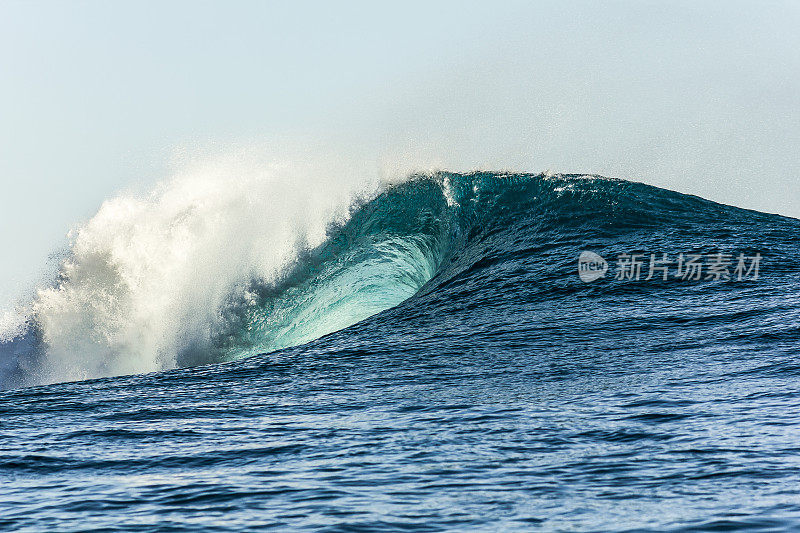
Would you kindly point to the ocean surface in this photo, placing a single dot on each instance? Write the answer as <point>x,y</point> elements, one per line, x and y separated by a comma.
<point>435,363</point>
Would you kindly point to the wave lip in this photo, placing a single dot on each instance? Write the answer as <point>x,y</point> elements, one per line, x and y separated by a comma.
<point>145,278</point>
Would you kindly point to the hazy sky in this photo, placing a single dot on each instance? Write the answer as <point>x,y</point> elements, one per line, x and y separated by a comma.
<point>98,96</point>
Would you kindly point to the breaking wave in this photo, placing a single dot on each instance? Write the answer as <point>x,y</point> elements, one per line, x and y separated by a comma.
<point>224,265</point>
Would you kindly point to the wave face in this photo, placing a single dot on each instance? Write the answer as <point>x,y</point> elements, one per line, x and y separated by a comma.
<point>429,359</point>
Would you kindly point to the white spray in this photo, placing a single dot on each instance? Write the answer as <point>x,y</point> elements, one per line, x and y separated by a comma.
<point>147,275</point>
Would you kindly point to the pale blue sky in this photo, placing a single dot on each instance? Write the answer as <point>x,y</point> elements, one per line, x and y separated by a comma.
<point>96,96</point>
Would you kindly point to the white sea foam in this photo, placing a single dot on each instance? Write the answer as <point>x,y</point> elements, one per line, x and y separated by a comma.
<point>147,274</point>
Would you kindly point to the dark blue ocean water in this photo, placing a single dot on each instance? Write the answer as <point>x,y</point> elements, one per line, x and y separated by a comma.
<point>506,394</point>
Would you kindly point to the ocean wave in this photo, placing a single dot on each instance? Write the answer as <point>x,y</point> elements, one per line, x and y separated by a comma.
<point>215,269</point>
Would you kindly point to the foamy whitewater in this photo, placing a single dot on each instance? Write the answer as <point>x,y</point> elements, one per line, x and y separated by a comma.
<point>264,346</point>
<point>146,277</point>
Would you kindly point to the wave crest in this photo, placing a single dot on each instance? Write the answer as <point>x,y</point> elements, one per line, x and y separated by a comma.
<point>146,277</point>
